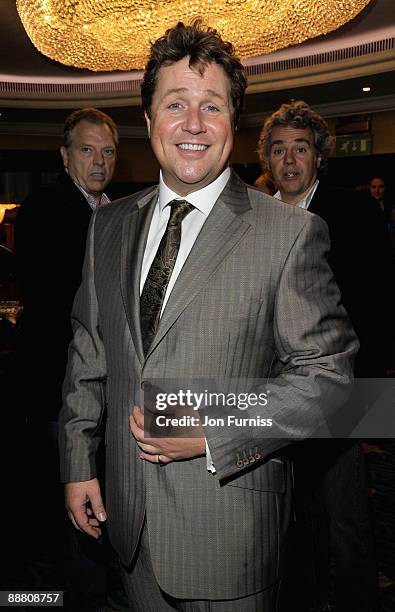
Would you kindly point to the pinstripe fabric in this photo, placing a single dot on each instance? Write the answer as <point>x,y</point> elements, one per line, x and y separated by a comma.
<point>145,595</point>
<point>142,589</point>
<point>254,298</point>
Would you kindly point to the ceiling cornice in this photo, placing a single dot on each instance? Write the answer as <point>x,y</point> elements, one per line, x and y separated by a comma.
<point>342,108</point>
<point>124,90</point>
<point>324,68</point>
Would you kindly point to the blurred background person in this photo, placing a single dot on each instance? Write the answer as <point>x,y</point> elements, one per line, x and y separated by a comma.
<point>50,236</point>
<point>377,190</point>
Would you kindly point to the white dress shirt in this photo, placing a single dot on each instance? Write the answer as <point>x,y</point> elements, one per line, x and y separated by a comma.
<point>203,200</point>
<point>304,202</point>
<point>104,199</point>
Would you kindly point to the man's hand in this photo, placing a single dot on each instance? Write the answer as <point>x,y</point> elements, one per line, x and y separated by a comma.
<point>85,506</point>
<point>164,450</point>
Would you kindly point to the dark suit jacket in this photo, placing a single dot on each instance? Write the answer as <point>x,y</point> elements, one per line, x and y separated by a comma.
<point>50,235</point>
<point>360,257</point>
<point>255,299</point>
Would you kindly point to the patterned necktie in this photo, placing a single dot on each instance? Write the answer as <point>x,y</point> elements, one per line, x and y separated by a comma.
<point>154,290</point>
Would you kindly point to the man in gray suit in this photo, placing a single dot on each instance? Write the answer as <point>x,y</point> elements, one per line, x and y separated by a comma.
<point>200,277</point>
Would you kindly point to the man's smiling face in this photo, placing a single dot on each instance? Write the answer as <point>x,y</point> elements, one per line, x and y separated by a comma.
<point>191,125</point>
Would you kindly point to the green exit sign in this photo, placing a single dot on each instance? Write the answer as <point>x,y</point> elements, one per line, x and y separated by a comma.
<point>350,145</point>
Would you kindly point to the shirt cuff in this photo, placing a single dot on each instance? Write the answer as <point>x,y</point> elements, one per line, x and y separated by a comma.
<point>210,464</point>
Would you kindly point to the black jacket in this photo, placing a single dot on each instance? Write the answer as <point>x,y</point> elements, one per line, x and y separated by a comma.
<point>50,236</point>
<point>361,261</point>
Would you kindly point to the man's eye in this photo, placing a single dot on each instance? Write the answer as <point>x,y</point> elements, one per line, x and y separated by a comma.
<point>86,150</point>
<point>301,150</point>
<point>277,152</point>
<point>212,108</point>
<point>109,152</point>
<point>174,105</point>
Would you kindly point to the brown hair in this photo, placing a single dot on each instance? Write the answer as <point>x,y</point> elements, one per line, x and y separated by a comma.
<point>93,115</point>
<point>203,46</point>
<point>265,183</point>
<point>297,114</point>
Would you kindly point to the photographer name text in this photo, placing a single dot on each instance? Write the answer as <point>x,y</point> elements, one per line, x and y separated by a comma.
<point>228,421</point>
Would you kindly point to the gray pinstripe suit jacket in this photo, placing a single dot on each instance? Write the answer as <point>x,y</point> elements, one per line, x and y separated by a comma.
<point>254,298</point>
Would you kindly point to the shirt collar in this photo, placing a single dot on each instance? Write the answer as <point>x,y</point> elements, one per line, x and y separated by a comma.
<point>304,202</point>
<point>104,199</point>
<point>202,199</point>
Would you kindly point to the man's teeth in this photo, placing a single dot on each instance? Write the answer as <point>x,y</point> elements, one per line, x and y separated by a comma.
<point>290,174</point>
<point>192,147</point>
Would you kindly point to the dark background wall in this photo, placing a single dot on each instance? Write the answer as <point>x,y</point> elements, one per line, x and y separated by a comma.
<point>21,171</point>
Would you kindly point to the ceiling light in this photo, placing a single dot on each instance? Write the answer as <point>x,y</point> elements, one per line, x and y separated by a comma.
<point>115,35</point>
<point>365,88</point>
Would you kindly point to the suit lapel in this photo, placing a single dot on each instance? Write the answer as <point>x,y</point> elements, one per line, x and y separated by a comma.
<point>222,230</point>
<point>134,236</point>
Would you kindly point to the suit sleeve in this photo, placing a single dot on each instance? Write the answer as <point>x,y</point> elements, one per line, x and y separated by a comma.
<point>84,386</point>
<point>312,371</point>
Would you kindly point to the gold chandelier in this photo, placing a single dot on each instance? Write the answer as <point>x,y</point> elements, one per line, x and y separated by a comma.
<point>115,34</point>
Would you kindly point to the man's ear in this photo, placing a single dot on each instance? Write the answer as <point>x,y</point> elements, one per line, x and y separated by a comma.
<point>148,122</point>
<point>65,157</point>
<point>319,159</point>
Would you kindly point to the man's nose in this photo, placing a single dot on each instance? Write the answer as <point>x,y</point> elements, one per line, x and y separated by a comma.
<point>98,158</point>
<point>194,121</point>
<point>289,156</point>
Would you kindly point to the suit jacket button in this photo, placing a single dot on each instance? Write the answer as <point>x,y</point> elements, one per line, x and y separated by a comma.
<point>246,461</point>
<point>251,459</point>
<point>258,456</point>
<point>239,463</point>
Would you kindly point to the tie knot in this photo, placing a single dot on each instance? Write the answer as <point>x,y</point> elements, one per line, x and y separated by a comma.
<point>179,210</point>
